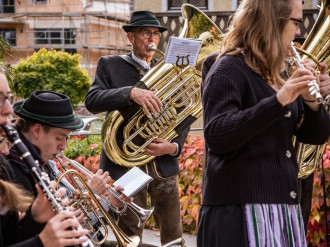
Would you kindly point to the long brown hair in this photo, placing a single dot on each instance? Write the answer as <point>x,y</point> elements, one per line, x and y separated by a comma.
<point>13,197</point>
<point>256,29</point>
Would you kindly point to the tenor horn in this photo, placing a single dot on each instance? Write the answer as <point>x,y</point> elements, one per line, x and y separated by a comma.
<point>316,47</point>
<point>124,139</point>
<point>142,214</point>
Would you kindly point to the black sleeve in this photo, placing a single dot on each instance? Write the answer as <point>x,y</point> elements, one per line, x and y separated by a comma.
<point>35,242</point>
<point>112,85</point>
<point>28,227</point>
<point>315,128</point>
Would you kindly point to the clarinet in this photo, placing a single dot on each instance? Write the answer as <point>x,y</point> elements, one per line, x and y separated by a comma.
<point>314,88</point>
<point>39,176</point>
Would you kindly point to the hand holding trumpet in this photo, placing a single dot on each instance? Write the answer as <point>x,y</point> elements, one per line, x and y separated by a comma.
<point>99,183</point>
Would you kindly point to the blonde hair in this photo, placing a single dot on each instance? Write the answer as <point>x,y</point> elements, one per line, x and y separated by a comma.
<point>256,29</point>
<point>13,197</point>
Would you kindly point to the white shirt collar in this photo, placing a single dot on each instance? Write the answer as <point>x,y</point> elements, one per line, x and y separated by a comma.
<point>143,63</point>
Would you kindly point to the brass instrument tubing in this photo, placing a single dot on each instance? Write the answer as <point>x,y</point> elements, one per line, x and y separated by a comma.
<point>141,213</point>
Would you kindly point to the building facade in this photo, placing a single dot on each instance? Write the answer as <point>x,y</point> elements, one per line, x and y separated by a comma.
<point>93,28</point>
<point>89,28</point>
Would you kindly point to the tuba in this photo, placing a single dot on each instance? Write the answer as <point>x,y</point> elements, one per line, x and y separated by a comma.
<point>179,90</point>
<point>316,47</point>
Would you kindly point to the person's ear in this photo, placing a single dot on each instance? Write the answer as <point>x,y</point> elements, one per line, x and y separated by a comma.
<point>36,130</point>
<point>130,37</point>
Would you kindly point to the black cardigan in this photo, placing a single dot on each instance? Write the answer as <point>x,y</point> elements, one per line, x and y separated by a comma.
<point>250,157</point>
<point>114,79</point>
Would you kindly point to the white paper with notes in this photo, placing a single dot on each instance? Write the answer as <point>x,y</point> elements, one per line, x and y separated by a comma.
<point>182,47</point>
<point>132,181</point>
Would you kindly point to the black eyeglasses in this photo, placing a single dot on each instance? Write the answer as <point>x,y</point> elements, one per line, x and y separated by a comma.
<point>297,21</point>
<point>4,97</point>
<point>147,34</point>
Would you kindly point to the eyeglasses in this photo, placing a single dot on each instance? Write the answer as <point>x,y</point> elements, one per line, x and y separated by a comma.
<point>296,21</point>
<point>147,34</point>
<point>4,141</point>
<point>4,97</point>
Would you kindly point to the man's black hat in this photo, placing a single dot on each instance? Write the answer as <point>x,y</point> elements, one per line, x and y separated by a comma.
<point>49,108</point>
<point>143,19</point>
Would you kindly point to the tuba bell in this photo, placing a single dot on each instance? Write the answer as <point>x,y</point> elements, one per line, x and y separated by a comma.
<point>316,47</point>
<point>179,90</point>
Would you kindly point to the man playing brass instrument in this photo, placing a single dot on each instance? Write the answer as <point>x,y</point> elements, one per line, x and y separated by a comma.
<point>46,121</point>
<point>36,226</point>
<point>113,89</point>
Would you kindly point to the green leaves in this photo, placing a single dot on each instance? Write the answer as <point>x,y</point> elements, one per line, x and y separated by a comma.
<point>51,70</point>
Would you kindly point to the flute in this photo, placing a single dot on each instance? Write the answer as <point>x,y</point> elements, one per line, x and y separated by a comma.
<point>39,176</point>
<point>314,88</point>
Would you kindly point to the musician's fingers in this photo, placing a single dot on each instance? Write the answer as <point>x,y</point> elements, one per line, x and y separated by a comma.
<point>99,172</point>
<point>323,68</point>
<point>81,217</point>
<point>158,101</point>
<point>146,110</point>
<point>309,63</point>
<point>65,201</point>
<point>105,174</point>
<point>118,188</point>
<point>73,234</point>
<point>152,106</point>
<point>77,212</point>
<point>302,72</point>
<point>53,184</point>
<point>60,192</point>
<point>78,239</point>
<point>61,216</point>
<point>126,199</point>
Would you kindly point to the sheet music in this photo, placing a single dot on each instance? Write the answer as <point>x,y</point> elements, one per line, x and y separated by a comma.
<point>182,47</point>
<point>132,181</point>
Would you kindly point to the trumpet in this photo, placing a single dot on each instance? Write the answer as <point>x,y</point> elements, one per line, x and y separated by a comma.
<point>142,214</point>
<point>314,88</point>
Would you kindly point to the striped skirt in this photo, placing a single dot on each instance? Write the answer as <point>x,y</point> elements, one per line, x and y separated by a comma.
<point>274,225</point>
<point>251,225</point>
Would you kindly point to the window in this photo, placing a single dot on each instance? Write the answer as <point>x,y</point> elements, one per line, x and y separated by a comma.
<point>176,4</point>
<point>9,34</point>
<point>7,6</point>
<point>55,36</point>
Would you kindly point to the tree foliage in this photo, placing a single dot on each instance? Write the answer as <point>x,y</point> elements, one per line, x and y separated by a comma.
<point>51,70</point>
<point>316,235</point>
